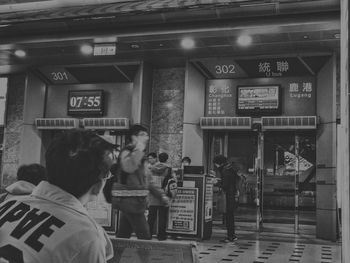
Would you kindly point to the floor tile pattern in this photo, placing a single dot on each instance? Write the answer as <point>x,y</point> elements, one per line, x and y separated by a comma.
<point>257,251</point>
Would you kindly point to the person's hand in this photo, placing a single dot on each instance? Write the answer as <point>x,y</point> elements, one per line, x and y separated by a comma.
<point>141,146</point>
<point>165,200</point>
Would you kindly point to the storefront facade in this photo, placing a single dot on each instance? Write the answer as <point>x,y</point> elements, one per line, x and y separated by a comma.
<point>190,103</point>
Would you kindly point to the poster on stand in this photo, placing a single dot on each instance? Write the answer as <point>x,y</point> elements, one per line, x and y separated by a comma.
<point>103,213</point>
<point>208,199</point>
<point>183,212</point>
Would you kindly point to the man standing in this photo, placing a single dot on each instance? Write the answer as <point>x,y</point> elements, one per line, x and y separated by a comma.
<point>161,173</point>
<point>151,159</point>
<point>229,178</point>
<point>133,182</point>
<point>52,224</point>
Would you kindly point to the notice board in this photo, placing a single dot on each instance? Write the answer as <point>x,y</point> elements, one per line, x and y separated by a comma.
<point>183,212</point>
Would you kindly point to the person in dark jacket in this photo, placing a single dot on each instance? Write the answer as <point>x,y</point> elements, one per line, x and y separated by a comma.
<point>161,173</point>
<point>229,178</point>
<point>28,176</point>
<point>132,185</point>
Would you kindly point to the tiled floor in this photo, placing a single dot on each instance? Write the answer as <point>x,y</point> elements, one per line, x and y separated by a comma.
<point>269,248</point>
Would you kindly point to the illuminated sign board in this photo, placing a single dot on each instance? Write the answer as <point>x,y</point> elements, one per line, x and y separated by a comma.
<point>85,102</point>
<point>258,99</point>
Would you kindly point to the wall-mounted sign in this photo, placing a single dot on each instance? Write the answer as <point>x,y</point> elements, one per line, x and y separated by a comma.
<point>105,49</point>
<point>274,67</point>
<point>58,75</point>
<point>300,96</point>
<point>222,68</point>
<point>220,96</point>
<point>258,99</point>
<point>183,211</point>
<point>3,96</point>
<point>85,102</point>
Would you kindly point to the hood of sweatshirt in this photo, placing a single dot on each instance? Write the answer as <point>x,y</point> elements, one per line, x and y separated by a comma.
<point>159,168</point>
<point>20,188</point>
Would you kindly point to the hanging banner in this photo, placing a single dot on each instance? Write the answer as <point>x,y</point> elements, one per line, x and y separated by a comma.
<point>183,211</point>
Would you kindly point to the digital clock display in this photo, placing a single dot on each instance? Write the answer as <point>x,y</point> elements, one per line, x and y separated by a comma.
<point>85,102</point>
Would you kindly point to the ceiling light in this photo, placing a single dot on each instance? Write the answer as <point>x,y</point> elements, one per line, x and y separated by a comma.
<point>20,53</point>
<point>86,49</point>
<point>244,40</point>
<point>337,35</point>
<point>306,37</point>
<point>187,43</point>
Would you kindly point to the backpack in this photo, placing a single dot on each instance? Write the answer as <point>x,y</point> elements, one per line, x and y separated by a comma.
<point>169,184</point>
<point>171,188</point>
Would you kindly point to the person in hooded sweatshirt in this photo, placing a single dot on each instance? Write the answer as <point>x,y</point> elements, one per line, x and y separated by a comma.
<point>161,173</point>
<point>28,176</point>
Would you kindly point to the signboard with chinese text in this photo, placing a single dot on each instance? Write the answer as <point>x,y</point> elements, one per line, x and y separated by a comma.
<point>264,99</point>
<point>183,211</point>
<point>220,97</point>
<point>300,97</point>
<point>274,67</point>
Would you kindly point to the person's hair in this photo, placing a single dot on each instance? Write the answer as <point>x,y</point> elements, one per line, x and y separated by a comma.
<point>75,161</point>
<point>152,154</point>
<point>220,160</point>
<point>163,157</point>
<point>136,129</point>
<point>33,173</point>
<point>186,159</point>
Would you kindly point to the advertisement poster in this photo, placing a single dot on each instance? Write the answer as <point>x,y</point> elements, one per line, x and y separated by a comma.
<point>101,211</point>
<point>183,211</point>
<point>208,199</point>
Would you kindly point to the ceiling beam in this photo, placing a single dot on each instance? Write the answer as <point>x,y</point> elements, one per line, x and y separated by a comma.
<point>269,25</point>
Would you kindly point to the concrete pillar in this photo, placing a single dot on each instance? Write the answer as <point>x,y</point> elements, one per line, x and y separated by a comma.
<point>13,128</point>
<point>168,112</point>
<point>193,143</point>
<point>326,152</point>
<point>34,104</point>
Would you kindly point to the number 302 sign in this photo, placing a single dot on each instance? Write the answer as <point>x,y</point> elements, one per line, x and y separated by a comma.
<point>225,69</point>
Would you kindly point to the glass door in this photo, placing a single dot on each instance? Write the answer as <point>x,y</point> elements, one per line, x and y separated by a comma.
<point>288,185</point>
<point>278,189</point>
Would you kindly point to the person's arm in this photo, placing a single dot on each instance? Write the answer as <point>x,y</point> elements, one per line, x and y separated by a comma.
<point>155,190</point>
<point>130,160</point>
